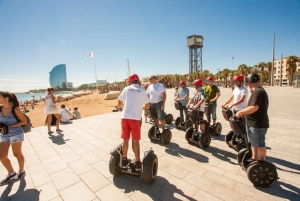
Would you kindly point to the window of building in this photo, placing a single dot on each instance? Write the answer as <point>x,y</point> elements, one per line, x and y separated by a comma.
<point>275,62</point>
<point>274,76</point>
<point>282,61</point>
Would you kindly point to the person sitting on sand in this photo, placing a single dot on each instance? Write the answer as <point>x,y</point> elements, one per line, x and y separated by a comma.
<point>25,110</point>
<point>76,113</point>
<point>64,114</point>
<point>71,116</point>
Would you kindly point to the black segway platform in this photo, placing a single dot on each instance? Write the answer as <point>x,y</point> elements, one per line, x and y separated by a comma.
<point>192,135</point>
<point>215,129</point>
<point>232,139</point>
<point>149,165</point>
<point>180,124</point>
<point>260,173</point>
<point>154,133</point>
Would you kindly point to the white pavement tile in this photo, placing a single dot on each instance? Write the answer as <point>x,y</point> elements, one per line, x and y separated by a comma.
<point>47,191</point>
<point>78,191</point>
<point>64,178</point>
<point>94,180</point>
<point>80,166</point>
<point>111,193</point>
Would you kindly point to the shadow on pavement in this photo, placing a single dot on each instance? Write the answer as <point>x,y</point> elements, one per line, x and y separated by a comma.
<point>58,139</point>
<point>21,194</point>
<point>284,163</point>
<point>175,150</point>
<point>221,154</point>
<point>161,189</point>
<point>282,190</point>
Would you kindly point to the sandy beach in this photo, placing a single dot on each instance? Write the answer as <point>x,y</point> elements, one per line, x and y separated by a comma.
<point>88,105</point>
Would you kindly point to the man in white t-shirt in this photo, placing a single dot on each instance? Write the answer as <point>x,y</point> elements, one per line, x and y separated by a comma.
<point>133,100</point>
<point>239,95</point>
<point>157,95</point>
<point>64,114</point>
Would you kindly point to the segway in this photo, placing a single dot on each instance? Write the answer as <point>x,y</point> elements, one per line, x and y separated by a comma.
<point>215,129</point>
<point>192,135</point>
<point>149,165</point>
<point>169,117</point>
<point>260,173</point>
<point>180,124</point>
<point>233,140</point>
<point>154,133</point>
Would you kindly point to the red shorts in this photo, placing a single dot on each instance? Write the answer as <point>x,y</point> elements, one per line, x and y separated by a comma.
<point>131,126</point>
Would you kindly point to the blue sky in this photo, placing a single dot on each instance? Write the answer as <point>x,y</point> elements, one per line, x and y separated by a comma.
<point>37,35</point>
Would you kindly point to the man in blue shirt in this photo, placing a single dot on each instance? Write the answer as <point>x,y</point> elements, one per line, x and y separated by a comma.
<point>183,98</point>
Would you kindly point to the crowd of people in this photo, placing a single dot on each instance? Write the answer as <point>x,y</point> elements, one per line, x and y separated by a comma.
<point>132,101</point>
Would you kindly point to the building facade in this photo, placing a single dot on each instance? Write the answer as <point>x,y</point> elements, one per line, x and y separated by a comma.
<point>58,77</point>
<point>282,72</point>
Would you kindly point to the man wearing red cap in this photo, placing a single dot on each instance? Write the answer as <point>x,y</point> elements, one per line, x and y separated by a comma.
<point>183,97</point>
<point>198,100</point>
<point>133,100</point>
<point>239,95</point>
<point>212,94</point>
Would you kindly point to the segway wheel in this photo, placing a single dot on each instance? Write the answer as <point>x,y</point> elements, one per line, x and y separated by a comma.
<point>241,144</point>
<point>166,136</point>
<point>188,124</point>
<point>151,132</point>
<point>204,140</point>
<point>150,170</point>
<point>169,118</point>
<point>177,122</point>
<point>217,129</point>
<point>228,137</point>
<point>241,154</point>
<point>114,167</point>
<point>189,133</point>
<point>262,174</point>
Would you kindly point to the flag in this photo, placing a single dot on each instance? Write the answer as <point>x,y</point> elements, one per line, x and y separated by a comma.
<point>90,55</point>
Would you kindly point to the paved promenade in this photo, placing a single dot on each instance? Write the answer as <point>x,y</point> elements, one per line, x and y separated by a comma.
<point>74,165</point>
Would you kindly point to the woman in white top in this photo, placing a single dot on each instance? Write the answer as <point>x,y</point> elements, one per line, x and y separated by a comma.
<point>50,109</point>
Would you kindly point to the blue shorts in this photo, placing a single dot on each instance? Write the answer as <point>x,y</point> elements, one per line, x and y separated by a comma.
<point>256,136</point>
<point>12,139</point>
<point>161,115</point>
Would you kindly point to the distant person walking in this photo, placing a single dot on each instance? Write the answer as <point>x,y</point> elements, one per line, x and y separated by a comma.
<point>14,136</point>
<point>50,109</point>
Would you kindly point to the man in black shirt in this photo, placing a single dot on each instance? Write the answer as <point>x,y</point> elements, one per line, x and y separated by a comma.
<point>256,114</point>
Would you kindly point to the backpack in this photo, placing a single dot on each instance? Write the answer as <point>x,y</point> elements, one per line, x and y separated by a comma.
<point>26,127</point>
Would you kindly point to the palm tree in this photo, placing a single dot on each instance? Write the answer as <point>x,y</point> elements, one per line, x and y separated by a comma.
<point>205,74</point>
<point>291,67</point>
<point>225,73</point>
<point>241,70</point>
<point>269,68</point>
<point>262,66</point>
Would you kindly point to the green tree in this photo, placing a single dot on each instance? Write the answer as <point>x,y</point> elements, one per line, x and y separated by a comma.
<point>262,66</point>
<point>225,74</point>
<point>291,67</point>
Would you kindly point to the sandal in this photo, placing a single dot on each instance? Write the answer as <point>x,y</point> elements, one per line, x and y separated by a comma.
<point>50,132</point>
<point>58,130</point>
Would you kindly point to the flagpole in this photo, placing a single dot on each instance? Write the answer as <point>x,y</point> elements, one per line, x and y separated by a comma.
<point>273,55</point>
<point>96,77</point>
<point>128,67</point>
